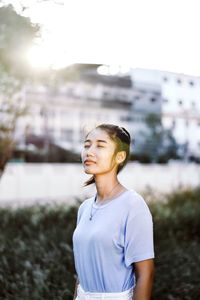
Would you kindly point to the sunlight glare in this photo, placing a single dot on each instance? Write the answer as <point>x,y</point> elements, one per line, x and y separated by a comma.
<point>39,58</point>
<point>46,56</point>
<point>131,38</point>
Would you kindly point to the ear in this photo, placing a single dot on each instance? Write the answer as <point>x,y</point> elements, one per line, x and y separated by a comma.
<point>120,157</point>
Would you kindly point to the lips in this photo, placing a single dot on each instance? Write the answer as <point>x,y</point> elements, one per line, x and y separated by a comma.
<point>88,162</point>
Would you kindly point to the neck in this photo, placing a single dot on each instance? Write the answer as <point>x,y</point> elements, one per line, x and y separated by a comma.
<point>106,187</point>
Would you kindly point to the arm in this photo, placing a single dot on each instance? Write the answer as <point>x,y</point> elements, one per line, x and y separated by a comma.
<point>144,271</point>
<point>75,290</point>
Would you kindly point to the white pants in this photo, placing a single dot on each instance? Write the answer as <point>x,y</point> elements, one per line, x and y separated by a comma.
<point>82,295</point>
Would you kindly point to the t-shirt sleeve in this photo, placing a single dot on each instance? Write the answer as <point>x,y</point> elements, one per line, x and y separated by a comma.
<point>139,237</point>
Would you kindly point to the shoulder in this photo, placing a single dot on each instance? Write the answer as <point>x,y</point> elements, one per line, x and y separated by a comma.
<point>135,203</point>
<point>83,206</point>
<point>85,203</point>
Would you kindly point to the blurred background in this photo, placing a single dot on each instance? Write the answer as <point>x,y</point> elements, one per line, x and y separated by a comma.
<point>67,66</point>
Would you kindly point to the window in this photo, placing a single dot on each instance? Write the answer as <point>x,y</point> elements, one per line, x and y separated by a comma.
<point>180,102</point>
<point>179,81</point>
<point>165,100</point>
<point>193,104</point>
<point>143,91</point>
<point>186,123</point>
<point>42,112</point>
<point>127,118</point>
<point>123,96</point>
<point>137,97</point>
<point>165,79</point>
<point>191,83</point>
<point>198,123</point>
<point>153,99</point>
<point>173,123</point>
<point>106,94</point>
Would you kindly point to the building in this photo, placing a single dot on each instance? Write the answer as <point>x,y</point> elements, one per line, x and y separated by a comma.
<point>180,104</point>
<point>62,114</point>
<point>147,100</point>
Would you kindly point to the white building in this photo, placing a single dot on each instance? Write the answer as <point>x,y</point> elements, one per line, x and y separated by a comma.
<point>147,100</point>
<point>65,113</point>
<point>180,109</point>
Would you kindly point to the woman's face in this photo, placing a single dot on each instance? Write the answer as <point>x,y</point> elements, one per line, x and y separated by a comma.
<point>98,153</point>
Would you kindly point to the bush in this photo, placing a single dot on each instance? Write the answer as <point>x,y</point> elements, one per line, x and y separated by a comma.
<point>37,257</point>
<point>36,253</point>
<point>177,246</point>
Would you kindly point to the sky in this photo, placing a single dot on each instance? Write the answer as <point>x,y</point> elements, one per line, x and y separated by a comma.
<point>152,34</point>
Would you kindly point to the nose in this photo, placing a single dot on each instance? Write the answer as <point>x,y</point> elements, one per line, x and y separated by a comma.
<point>89,151</point>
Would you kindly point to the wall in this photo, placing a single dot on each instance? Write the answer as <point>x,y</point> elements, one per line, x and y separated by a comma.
<point>28,183</point>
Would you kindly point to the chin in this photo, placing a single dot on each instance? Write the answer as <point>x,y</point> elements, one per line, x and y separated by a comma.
<point>87,171</point>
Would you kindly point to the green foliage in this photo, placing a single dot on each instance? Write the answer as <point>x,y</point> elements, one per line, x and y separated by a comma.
<point>16,35</point>
<point>177,245</point>
<point>180,211</point>
<point>37,257</point>
<point>36,253</point>
<point>157,143</point>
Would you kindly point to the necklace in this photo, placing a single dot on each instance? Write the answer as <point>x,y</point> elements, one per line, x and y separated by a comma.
<point>91,215</point>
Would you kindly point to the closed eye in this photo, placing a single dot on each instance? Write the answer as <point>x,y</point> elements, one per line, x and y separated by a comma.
<point>99,146</point>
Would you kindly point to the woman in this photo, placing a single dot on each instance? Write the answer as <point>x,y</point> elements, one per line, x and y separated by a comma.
<point>113,239</point>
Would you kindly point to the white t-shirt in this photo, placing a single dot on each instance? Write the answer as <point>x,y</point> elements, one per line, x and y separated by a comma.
<point>119,234</point>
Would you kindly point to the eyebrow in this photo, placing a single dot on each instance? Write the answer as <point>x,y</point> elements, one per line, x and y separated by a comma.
<point>101,141</point>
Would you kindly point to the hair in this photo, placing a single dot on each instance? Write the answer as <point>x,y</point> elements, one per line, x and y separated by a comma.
<point>122,139</point>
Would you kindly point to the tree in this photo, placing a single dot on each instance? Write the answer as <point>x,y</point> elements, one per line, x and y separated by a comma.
<point>16,35</point>
<point>158,143</point>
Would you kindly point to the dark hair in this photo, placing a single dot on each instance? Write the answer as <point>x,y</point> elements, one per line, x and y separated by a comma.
<point>122,139</point>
